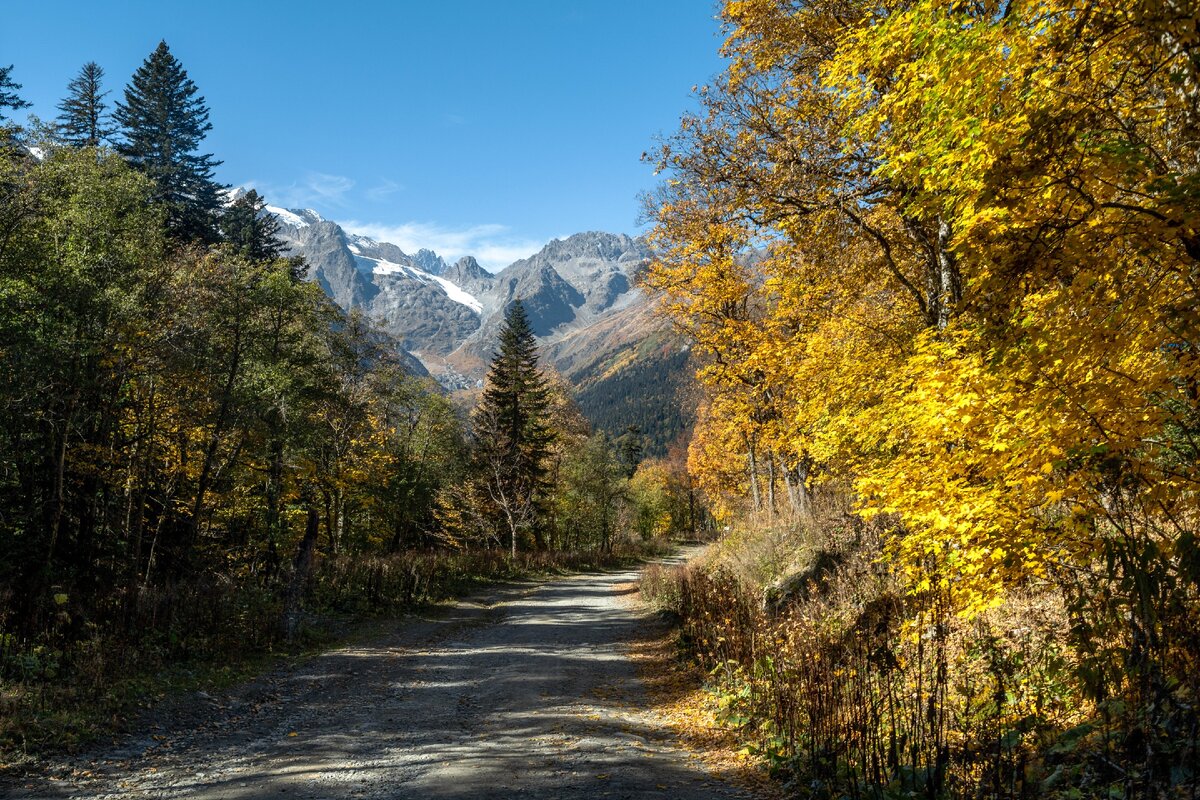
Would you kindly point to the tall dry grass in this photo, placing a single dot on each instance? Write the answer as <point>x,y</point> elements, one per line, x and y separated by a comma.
<point>848,686</point>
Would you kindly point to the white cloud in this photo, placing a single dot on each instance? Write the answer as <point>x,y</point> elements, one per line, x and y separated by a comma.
<point>385,189</point>
<point>494,246</point>
<point>317,188</point>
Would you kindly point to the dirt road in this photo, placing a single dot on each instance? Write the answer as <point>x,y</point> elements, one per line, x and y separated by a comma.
<point>527,696</point>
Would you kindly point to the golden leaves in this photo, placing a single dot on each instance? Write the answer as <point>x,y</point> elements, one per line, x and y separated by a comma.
<point>945,255</point>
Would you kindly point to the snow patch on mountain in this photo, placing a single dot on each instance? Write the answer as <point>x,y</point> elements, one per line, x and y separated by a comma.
<point>379,266</point>
<point>298,218</point>
<point>456,293</point>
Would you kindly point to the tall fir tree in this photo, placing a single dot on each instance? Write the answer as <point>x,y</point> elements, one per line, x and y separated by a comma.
<point>8,93</point>
<point>513,429</point>
<point>163,120</point>
<point>83,121</point>
<point>251,229</point>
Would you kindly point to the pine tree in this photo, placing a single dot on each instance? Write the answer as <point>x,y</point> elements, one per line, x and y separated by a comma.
<point>8,93</point>
<point>251,229</point>
<point>512,427</point>
<point>83,121</point>
<point>163,121</point>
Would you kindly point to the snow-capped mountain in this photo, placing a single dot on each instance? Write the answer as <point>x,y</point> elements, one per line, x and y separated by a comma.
<point>429,315</point>
<point>448,315</point>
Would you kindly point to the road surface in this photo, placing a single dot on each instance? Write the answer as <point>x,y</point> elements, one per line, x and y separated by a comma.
<point>526,694</point>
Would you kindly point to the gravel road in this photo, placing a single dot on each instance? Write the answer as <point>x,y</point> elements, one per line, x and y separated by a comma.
<point>526,694</point>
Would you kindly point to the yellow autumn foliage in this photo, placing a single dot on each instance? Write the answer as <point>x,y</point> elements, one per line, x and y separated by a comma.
<point>949,252</point>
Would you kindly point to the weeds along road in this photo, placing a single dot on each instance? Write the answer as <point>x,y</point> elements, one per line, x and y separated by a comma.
<point>529,695</point>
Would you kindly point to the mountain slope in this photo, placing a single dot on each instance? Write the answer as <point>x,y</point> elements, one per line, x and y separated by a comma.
<point>569,286</point>
<point>451,313</point>
<point>427,314</point>
<point>630,368</point>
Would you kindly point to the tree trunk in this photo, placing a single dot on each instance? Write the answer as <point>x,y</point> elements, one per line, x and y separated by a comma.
<point>300,571</point>
<point>327,497</point>
<point>691,509</point>
<point>343,522</point>
<point>951,285</point>
<point>798,494</point>
<point>274,488</point>
<point>752,467</point>
<point>60,479</point>
<point>771,483</point>
<point>215,438</point>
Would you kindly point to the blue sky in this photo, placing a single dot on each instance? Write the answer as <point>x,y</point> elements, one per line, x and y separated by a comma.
<point>478,126</point>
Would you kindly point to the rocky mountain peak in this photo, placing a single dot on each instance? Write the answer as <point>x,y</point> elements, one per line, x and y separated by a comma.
<point>450,314</point>
<point>469,269</point>
<point>429,261</point>
<point>590,247</point>
<point>296,217</point>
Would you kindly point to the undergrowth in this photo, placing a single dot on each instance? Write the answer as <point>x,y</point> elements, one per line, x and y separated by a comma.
<point>847,686</point>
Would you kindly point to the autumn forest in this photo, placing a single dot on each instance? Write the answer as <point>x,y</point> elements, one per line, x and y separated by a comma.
<point>936,266</point>
<point>944,260</point>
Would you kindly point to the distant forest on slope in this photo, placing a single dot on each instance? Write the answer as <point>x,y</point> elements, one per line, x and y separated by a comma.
<point>643,386</point>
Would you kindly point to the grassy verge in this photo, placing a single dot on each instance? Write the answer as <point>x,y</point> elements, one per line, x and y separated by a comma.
<point>816,661</point>
<point>680,696</point>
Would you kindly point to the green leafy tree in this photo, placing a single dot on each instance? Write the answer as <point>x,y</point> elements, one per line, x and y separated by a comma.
<point>591,488</point>
<point>512,429</point>
<point>163,121</point>
<point>83,121</point>
<point>423,453</point>
<point>74,273</point>
<point>660,503</point>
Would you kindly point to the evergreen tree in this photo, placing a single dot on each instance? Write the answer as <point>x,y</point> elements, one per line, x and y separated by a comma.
<point>630,449</point>
<point>83,121</point>
<point>512,427</point>
<point>163,120</point>
<point>251,229</point>
<point>8,93</point>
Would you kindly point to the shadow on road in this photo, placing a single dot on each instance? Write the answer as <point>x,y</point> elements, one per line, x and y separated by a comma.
<point>532,698</point>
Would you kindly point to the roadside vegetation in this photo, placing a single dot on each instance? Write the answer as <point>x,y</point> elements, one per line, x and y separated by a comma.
<point>941,260</point>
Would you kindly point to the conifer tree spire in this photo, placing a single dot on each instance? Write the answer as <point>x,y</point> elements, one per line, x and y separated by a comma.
<point>251,229</point>
<point>83,121</point>
<point>8,93</point>
<point>512,426</point>
<point>163,120</point>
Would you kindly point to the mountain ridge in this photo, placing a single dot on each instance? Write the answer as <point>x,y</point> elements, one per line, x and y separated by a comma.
<point>451,313</point>
<point>593,324</point>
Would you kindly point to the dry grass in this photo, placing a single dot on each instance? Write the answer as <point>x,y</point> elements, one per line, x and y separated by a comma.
<point>677,696</point>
